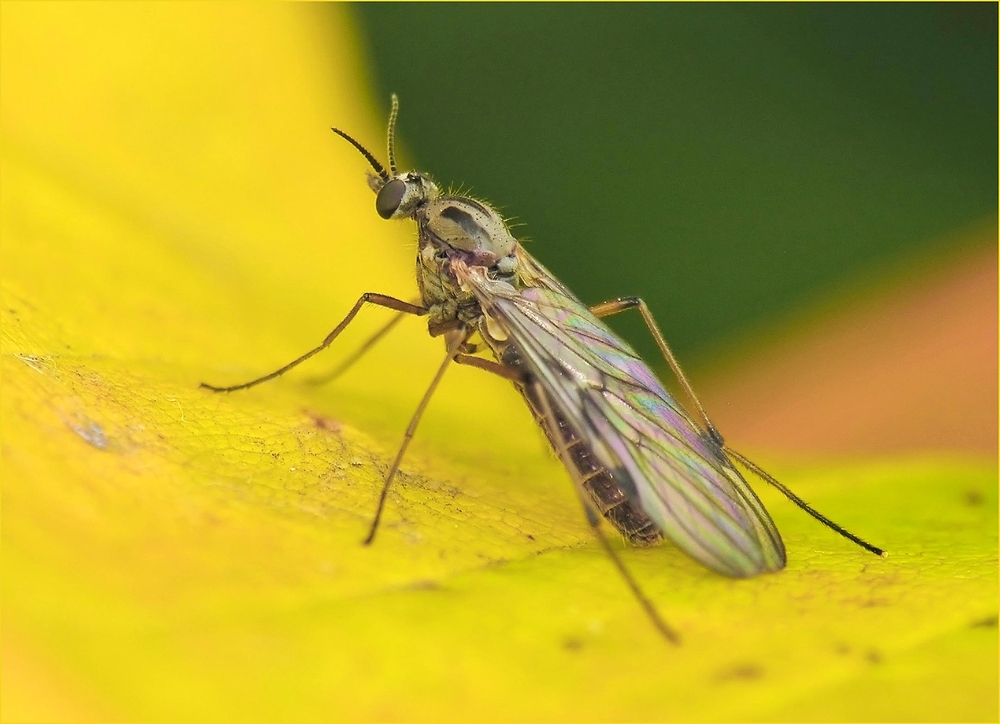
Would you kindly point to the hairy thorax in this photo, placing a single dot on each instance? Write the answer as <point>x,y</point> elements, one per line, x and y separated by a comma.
<point>464,234</point>
<point>459,231</point>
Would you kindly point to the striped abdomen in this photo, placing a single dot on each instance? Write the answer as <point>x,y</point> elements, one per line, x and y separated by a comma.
<point>609,494</point>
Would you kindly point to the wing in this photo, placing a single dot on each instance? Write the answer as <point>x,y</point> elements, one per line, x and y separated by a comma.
<point>683,481</point>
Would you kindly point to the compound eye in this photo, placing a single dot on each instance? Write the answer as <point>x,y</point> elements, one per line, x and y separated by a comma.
<point>389,198</point>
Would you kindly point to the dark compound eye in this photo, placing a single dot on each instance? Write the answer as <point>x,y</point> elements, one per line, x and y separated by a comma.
<point>389,198</point>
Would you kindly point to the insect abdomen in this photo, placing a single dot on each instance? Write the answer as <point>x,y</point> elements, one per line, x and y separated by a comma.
<point>609,495</point>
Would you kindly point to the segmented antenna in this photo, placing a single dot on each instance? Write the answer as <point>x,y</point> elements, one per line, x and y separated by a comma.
<point>367,154</point>
<point>392,134</point>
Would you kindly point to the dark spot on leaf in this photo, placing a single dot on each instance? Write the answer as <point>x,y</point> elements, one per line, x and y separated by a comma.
<point>874,603</point>
<point>874,656</point>
<point>988,622</point>
<point>323,422</point>
<point>424,585</point>
<point>741,672</point>
<point>572,644</point>
<point>530,537</point>
<point>842,649</point>
<point>973,498</point>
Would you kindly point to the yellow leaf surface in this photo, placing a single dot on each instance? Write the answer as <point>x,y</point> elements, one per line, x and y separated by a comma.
<point>175,209</point>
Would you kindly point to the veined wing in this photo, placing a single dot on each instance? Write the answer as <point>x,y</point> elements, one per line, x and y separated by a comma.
<point>636,429</point>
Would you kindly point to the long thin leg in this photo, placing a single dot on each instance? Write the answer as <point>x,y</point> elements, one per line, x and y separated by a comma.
<point>615,306</point>
<point>620,305</point>
<point>763,475</point>
<point>358,353</point>
<point>367,298</point>
<point>594,518</point>
<point>589,508</point>
<point>505,371</point>
<point>410,430</point>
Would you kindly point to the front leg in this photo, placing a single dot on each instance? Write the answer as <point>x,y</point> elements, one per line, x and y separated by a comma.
<point>380,300</point>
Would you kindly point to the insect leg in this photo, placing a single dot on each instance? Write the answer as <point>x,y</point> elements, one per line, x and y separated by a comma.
<point>410,430</point>
<point>768,478</point>
<point>620,305</point>
<point>545,416</point>
<point>594,518</point>
<point>615,306</point>
<point>367,298</point>
<point>359,352</point>
<point>506,371</point>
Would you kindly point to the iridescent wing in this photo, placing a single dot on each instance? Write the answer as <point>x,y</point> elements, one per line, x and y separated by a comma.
<point>593,379</point>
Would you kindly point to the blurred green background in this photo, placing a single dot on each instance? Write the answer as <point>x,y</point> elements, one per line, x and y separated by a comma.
<point>727,162</point>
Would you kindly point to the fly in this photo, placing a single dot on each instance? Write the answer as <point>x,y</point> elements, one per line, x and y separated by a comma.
<point>637,458</point>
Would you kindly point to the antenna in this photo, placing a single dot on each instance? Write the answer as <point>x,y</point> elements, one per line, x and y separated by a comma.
<point>367,154</point>
<point>392,134</point>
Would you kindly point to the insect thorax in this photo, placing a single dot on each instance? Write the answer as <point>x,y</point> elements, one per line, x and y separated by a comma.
<point>459,230</point>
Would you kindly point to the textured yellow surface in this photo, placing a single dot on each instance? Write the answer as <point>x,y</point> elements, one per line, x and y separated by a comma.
<point>175,209</point>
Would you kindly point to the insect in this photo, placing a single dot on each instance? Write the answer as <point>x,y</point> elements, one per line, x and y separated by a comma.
<point>637,458</point>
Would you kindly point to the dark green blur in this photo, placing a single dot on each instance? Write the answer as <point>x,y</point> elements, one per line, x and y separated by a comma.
<point>725,162</point>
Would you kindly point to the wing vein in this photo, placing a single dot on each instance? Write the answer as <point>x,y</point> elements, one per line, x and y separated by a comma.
<point>633,427</point>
